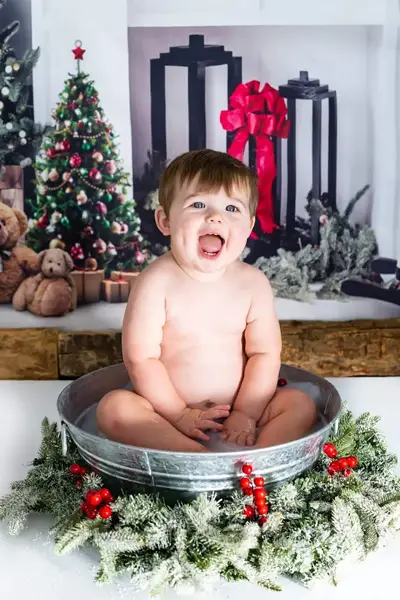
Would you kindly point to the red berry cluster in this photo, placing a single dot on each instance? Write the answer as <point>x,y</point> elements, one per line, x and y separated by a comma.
<point>97,503</point>
<point>255,489</point>
<point>79,472</point>
<point>342,465</point>
<point>282,382</point>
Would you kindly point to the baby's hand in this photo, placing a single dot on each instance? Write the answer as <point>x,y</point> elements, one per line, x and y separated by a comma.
<point>239,429</point>
<point>193,421</point>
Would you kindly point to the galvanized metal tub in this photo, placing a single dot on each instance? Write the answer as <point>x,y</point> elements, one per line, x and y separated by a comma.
<point>184,475</point>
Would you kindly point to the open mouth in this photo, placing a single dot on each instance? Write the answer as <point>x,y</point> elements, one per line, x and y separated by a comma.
<point>211,245</point>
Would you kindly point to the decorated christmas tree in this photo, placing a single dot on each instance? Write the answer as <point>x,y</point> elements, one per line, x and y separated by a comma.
<point>20,137</point>
<point>81,204</point>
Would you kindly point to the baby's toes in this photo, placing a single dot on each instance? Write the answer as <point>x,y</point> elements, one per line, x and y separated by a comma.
<point>251,440</point>
<point>241,439</point>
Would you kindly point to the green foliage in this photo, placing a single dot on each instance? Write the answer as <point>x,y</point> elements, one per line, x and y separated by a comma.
<point>20,137</point>
<point>345,251</point>
<point>82,204</point>
<point>316,522</point>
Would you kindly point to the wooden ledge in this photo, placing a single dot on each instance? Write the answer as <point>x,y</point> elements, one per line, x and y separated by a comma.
<point>328,348</point>
<point>29,353</point>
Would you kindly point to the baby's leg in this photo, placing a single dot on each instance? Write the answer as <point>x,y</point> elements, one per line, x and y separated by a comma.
<point>288,416</point>
<point>125,417</point>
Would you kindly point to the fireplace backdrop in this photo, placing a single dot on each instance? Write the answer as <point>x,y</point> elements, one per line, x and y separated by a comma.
<point>351,47</point>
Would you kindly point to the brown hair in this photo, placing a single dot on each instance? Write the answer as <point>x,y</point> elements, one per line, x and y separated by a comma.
<point>214,170</point>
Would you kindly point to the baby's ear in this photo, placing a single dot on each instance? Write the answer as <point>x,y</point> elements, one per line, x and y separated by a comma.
<point>162,221</point>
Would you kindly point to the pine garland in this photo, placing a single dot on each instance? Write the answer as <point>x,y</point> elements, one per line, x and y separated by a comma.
<point>345,251</point>
<point>316,522</point>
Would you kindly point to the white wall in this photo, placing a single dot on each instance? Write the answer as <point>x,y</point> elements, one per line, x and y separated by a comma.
<point>337,56</point>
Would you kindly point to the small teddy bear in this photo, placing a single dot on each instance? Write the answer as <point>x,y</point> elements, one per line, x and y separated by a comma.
<point>16,262</point>
<point>51,293</point>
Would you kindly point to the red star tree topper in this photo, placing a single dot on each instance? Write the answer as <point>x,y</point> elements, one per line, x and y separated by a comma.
<point>78,50</point>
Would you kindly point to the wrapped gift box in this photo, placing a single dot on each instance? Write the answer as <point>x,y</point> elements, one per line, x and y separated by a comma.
<point>88,285</point>
<point>128,276</point>
<point>116,291</point>
<point>12,186</point>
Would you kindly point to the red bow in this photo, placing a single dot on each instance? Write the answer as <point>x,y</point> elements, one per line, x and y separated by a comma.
<point>262,114</point>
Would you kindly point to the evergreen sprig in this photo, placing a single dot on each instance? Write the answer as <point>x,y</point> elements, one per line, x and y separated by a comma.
<point>346,250</point>
<point>20,136</point>
<point>316,522</point>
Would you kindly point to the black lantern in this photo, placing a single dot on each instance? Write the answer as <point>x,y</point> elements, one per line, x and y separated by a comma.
<point>196,57</point>
<point>304,88</point>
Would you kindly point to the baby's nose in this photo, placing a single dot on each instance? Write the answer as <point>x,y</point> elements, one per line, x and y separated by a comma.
<point>214,218</point>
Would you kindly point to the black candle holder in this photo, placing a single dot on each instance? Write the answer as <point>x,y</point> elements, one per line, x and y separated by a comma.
<point>196,57</point>
<point>372,284</point>
<point>304,88</point>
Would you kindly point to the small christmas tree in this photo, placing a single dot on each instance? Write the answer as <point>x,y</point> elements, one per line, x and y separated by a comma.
<point>81,203</point>
<point>20,137</point>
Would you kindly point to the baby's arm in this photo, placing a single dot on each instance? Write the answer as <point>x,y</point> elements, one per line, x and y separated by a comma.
<point>263,346</point>
<point>141,344</point>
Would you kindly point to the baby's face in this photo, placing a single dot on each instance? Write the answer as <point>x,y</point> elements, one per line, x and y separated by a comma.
<point>209,230</point>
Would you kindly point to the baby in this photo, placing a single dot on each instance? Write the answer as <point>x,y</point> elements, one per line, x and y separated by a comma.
<point>200,338</point>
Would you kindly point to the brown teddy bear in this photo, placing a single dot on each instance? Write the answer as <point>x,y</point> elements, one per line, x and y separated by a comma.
<point>51,293</point>
<point>16,263</point>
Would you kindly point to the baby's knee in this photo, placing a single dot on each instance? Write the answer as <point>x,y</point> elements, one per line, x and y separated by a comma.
<point>306,407</point>
<point>111,408</point>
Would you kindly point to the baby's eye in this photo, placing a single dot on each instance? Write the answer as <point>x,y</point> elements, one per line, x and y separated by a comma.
<point>197,203</point>
<point>231,208</point>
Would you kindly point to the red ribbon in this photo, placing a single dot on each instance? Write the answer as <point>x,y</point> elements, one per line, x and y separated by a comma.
<point>262,114</point>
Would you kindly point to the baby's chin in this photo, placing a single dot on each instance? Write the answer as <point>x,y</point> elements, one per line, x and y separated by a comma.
<point>198,266</point>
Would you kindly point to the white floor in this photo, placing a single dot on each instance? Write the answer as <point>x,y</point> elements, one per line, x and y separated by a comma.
<point>29,567</point>
<point>103,315</point>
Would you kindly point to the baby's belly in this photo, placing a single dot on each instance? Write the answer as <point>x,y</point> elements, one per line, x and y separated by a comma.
<point>205,377</point>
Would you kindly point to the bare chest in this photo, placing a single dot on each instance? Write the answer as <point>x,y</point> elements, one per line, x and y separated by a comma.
<point>206,314</point>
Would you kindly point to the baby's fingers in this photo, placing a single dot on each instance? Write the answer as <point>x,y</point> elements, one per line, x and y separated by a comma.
<point>206,424</point>
<point>219,412</point>
<point>251,439</point>
<point>231,437</point>
<point>241,439</point>
<point>200,435</point>
<point>246,439</point>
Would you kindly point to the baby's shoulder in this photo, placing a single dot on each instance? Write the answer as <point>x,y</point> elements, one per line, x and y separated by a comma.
<point>155,276</point>
<point>251,277</point>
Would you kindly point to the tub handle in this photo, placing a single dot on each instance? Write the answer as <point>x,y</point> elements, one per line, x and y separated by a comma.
<point>64,441</point>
